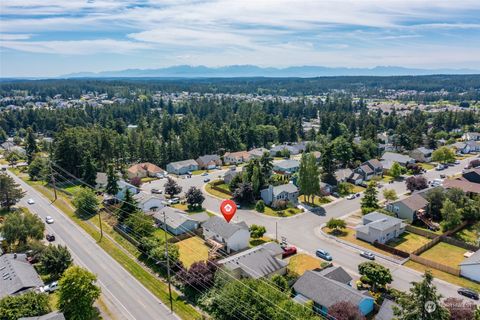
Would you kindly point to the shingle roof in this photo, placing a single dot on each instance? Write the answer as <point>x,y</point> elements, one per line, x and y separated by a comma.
<point>17,274</point>
<point>326,292</point>
<point>48,316</point>
<point>184,163</point>
<point>414,202</point>
<point>289,188</point>
<point>386,310</point>
<point>208,158</point>
<point>381,221</point>
<point>257,262</point>
<point>401,158</point>
<point>288,164</point>
<point>150,167</point>
<point>336,273</point>
<point>425,150</point>
<point>222,228</point>
<point>473,259</point>
<point>463,184</point>
<point>175,218</point>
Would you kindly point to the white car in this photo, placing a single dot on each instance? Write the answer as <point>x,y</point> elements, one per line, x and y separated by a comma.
<point>31,201</point>
<point>351,197</point>
<point>50,287</point>
<point>49,220</point>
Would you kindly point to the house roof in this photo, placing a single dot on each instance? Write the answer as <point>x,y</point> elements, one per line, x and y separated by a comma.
<point>337,273</point>
<point>17,274</point>
<point>386,310</point>
<point>143,197</point>
<point>424,150</point>
<point>472,260</point>
<point>343,174</point>
<point>257,262</point>
<point>222,228</point>
<point>147,166</point>
<point>375,163</point>
<point>366,168</point>
<point>414,202</point>
<point>208,158</point>
<point>387,164</point>
<point>101,178</point>
<point>238,154</point>
<point>400,158</point>
<point>463,184</point>
<point>175,218</point>
<point>325,291</point>
<point>289,188</point>
<point>49,316</point>
<point>288,164</point>
<point>183,163</point>
<point>258,152</point>
<point>380,221</point>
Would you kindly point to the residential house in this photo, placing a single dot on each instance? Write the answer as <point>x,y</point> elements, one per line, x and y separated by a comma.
<point>56,315</point>
<point>466,186</point>
<point>148,202</point>
<point>379,227</point>
<point>257,153</point>
<point>472,175</point>
<point>18,275</point>
<point>471,136</point>
<point>342,175</point>
<point>386,310</point>
<point>470,267</point>
<point>177,221</point>
<point>229,175</point>
<point>287,192</point>
<point>408,208</point>
<point>258,262</point>
<point>466,147</point>
<point>325,292</point>
<point>234,236</point>
<point>293,149</point>
<point>236,157</point>
<point>397,157</point>
<point>368,170</point>
<point>338,274</point>
<point>7,145</point>
<point>209,161</point>
<point>123,186</point>
<point>422,154</point>
<point>182,167</point>
<point>287,166</point>
<point>143,170</point>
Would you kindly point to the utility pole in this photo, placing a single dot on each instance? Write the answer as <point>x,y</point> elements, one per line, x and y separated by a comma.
<point>276,231</point>
<point>53,181</point>
<point>168,261</point>
<point>101,228</point>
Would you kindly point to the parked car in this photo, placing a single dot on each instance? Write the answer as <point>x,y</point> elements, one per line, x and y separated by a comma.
<point>50,237</point>
<point>156,191</point>
<point>174,201</point>
<point>357,195</point>
<point>468,293</point>
<point>351,197</point>
<point>367,255</point>
<point>439,167</point>
<point>443,176</point>
<point>457,162</point>
<point>288,251</point>
<point>323,254</point>
<point>205,174</point>
<point>206,180</point>
<point>31,201</point>
<point>50,287</point>
<point>49,220</point>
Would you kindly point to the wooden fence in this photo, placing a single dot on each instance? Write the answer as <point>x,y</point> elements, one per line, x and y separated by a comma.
<point>461,244</point>
<point>435,265</point>
<point>421,232</point>
<point>183,236</point>
<point>427,246</point>
<point>392,250</point>
<point>214,187</point>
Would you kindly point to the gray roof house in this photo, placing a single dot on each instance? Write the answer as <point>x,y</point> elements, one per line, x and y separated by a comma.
<point>56,315</point>
<point>470,267</point>
<point>471,136</point>
<point>182,167</point>
<point>397,157</point>
<point>229,175</point>
<point>379,227</point>
<point>257,153</point>
<point>325,292</point>
<point>368,170</point>
<point>287,166</point>
<point>343,174</point>
<point>287,192</point>
<point>177,221</point>
<point>18,275</point>
<point>234,236</point>
<point>386,310</point>
<point>101,180</point>
<point>422,154</point>
<point>338,274</point>
<point>258,262</point>
<point>408,208</point>
<point>148,202</point>
<point>209,161</point>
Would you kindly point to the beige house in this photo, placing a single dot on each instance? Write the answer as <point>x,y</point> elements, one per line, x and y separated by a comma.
<point>143,170</point>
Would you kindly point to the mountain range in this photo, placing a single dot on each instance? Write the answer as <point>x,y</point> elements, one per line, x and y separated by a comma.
<point>186,71</point>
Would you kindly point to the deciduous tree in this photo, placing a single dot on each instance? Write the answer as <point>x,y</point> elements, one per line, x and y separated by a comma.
<point>86,202</point>
<point>21,226</point>
<point>345,310</point>
<point>390,194</point>
<point>336,224</point>
<point>55,260</point>
<point>257,231</point>
<point>30,304</point>
<point>443,155</point>
<point>194,197</point>
<point>377,275</point>
<point>172,188</point>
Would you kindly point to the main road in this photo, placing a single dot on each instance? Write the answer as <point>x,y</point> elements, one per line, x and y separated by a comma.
<point>303,230</point>
<point>125,296</point>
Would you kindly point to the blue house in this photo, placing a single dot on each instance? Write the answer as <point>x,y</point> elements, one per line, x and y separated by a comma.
<point>326,291</point>
<point>287,166</point>
<point>122,189</point>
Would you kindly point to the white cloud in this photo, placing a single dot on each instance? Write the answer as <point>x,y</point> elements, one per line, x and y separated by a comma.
<point>14,36</point>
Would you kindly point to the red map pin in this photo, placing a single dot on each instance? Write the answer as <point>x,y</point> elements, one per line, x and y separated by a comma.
<point>228,209</point>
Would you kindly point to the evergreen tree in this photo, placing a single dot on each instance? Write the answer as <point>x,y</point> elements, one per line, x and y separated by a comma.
<point>89,170</point>
<point>112,181</point>
<point>10,192</point>
<point>31,147</point>
<point>369,201</point>
<point>129,206</point>
<point>256,181</point>
<point>328,166</point>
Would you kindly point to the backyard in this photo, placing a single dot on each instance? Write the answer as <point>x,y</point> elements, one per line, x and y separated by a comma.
<point>408,242</point>
<point>192,250</point>
<point>301,262</point>
<point>446,254</point>
<point>469,234</point>
<point>216,193</point>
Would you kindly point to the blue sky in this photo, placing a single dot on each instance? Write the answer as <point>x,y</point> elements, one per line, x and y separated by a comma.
<point>49,38</point>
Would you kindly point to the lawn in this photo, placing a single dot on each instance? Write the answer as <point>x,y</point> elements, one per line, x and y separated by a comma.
<point>459,281</point>
<point>317,201</point>
<point>469,234</point>
<point>288,212</point>
<point>148,179</point>
<point>184,207</point>
<point>259,241</point>
<point>446,254</point>
<point>198,172</point>
<point>427,166</point>
<point>72,189</point>
<point>216,193</point>
<point>408,242</point>
<point>192,250</point>
<point>301,262</point>
<point>355,188</point>
<point>223,186</point>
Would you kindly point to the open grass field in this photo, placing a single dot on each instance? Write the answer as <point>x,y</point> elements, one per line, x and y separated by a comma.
<point>446,254</point>
<point>216,193</point>
<point>301,262</point>
<point>469,234</point>
<point>408,242</point>
<point>192,250</point>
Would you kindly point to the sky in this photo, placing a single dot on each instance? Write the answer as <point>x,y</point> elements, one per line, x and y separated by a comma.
<point>42,38</point>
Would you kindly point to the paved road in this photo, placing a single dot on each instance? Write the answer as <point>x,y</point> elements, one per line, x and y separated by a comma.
<point>125,297</point>
<point>303,230</point>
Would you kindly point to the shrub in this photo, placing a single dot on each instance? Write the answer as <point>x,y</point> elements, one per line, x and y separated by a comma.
<point>260,206</point>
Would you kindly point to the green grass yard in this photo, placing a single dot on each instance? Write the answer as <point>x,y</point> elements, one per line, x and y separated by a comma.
<point>408,242</point>
<point>446,254</point>
<point>427,166</point>
<point>355,188</point>
<point>469,234</point>
<point>288,212</point>
<point>317,201</point>
<point>192,250</point>
<point>216,193</point>
<point>301,262</point>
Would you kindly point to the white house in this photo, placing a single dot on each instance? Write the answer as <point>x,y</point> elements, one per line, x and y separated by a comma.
<point>182,167</point>
<point>122,189</point>
<point>234,236</point>
<point>147,202</point>
<point>470,267</point>
<point>287,192</point>
<point>379,227</point>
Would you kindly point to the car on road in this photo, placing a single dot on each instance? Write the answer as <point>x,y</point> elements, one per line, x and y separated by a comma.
<point>206,180</point>
<point>468,293</point>
<point>50,237</point>
<point>323,254</point>
<point>174,201</point>
<point>31,201</point>
<point>443,176</point>
<point>49,220</point>
<point>357,195</point>
<point>457,162</point>
<point>156,191</point>
<point>367,255</point>
<point>288,251</point>
<point>351,197</point>
<point>49,287</point>
<point>205,174</point>
<point>439,167</point>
